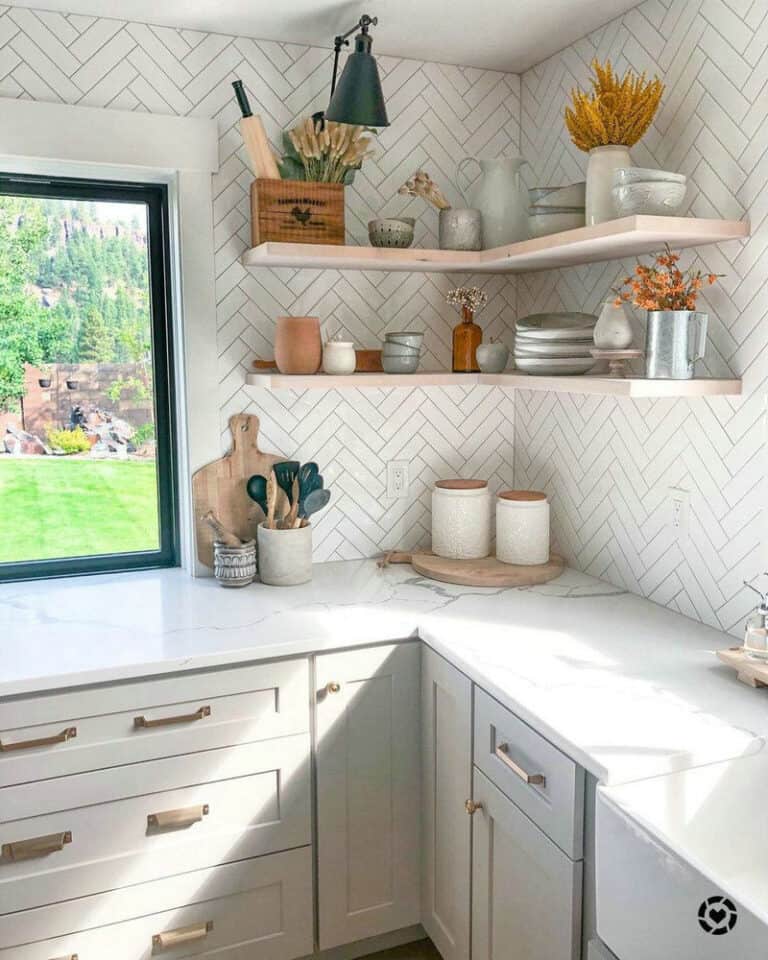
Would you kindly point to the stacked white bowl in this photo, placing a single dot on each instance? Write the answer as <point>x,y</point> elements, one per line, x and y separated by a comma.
<point>639,190</point>
<point>554,209</point>
<point>555,344</point>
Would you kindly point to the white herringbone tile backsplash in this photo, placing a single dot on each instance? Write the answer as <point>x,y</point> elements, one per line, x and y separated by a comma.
<point>440,113</point>
<point>609,463</point>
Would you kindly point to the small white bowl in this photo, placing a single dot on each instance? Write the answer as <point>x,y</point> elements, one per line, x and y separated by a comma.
<point>626,175</point>
<point>543,224</point>
<point>573,195</point>
<point>657,198</point>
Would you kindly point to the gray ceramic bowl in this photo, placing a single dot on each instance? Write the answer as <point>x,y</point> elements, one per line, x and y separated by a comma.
<point>657,197</point>
<point>399,350</point>
<point>391,232</point>
<point>400,364</point>
<point>626,175</point>
<point>407,338</point>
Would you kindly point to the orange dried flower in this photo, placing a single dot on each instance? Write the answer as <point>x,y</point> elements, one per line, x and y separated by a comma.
<point>664,286</point>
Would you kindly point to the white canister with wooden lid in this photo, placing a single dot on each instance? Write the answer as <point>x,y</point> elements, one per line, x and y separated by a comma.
<point>461,519</point>
<point>522,527</point>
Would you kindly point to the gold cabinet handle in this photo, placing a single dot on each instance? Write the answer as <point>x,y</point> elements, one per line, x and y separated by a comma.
<point>34,847</point>
<point>502,752</point>
<point>66,734</point>
<point>333,687</point>
<point>175,938</point>
<point>200,714</point>
<point>181,817</point>
<point>472,806</point>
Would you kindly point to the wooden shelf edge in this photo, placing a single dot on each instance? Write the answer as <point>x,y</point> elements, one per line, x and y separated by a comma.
<point>636,387</point>
<point>626,236</point>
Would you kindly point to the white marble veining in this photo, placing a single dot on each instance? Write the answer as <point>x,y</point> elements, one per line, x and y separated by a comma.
<point>626,688</point>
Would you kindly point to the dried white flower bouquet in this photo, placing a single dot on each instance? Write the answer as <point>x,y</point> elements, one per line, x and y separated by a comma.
<point>422,185</point>
<point>329,153</point>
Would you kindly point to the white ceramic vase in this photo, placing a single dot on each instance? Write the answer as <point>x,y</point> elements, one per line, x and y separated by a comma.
<point>613,331</point>
<point>285,556</point>
<point>600,167</point>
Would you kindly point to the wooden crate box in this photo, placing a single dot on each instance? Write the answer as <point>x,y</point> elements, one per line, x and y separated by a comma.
<point>296,211</point>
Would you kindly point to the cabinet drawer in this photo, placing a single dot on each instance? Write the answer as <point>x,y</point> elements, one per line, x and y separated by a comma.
<point>259,907</point>
<point>67,733</point>
<point>148,821</point>
<point>526,893</point>
<point>546,784</point>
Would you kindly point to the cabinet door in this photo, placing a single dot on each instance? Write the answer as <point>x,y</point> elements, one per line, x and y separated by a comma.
<point>368,792</point>
<point>446,756</point>
<point>526,896</point>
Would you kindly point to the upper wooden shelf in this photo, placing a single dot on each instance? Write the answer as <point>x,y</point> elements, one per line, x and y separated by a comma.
<point>606,386</point>
<point>628,236</point>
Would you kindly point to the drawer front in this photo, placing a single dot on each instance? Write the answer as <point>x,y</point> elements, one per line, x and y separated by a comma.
<point>546,784</point>
<point>68,733</point>
<point>148,821</point>
<point>259,907</point>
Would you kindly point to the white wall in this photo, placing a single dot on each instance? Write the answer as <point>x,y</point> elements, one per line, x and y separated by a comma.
<point>439,114</point>
<point>609,463</point>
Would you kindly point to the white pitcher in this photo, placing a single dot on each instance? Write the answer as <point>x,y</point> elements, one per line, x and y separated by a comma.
<point>501,199</point>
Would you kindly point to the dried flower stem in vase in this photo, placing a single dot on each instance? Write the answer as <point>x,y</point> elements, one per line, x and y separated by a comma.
<point>467,335</point>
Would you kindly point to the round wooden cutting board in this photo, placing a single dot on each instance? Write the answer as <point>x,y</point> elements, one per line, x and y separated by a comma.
<point>488,572</point>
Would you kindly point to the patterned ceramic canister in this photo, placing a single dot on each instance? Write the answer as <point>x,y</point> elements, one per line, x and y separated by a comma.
<point>461,519</point>
<point>522,527</point>
<point>234,566</point>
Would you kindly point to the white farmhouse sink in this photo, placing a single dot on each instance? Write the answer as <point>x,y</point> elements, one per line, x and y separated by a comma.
<point>682,864</point>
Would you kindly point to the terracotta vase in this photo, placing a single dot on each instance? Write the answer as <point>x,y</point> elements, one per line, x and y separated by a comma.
<point>298,346</point>
<point>467,337</point>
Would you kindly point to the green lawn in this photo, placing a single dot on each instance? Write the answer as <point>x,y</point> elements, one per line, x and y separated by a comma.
<point>64,507</point>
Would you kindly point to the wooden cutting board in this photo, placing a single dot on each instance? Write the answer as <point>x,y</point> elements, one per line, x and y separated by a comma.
<point>752,672</point>
<point>488,572</point>
<point>220,486</point>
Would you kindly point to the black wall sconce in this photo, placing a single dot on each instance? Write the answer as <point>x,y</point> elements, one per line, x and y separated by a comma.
<point>357,98</point>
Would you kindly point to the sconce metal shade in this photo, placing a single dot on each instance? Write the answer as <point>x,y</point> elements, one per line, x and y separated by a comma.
<point>358,97</point>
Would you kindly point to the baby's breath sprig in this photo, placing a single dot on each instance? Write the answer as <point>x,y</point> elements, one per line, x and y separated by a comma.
<point>472,299</point>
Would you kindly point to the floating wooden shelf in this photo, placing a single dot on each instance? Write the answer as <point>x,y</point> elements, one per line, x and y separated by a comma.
<point>628,236</point>
<point>629,387</point>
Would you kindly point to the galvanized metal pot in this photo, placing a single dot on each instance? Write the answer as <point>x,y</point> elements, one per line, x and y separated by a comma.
<point>460,229</point>
<point>674,341</point>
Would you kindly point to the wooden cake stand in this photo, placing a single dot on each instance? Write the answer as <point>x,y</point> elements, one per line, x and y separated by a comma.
<point>488,572</point>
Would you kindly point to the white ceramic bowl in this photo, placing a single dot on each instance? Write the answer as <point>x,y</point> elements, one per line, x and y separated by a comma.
<point>399,364</point>
<point>553,366</point>
<point>578,348</point>
<point>544,224</point>
<point>657,198</point>
<point>626,175</point>
<point>406,338</point>
<point>565,320</point>
<point>574,195</point>
<point>399,350</point>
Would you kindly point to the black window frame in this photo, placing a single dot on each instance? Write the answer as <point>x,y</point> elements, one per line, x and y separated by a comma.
<point>155,196</point>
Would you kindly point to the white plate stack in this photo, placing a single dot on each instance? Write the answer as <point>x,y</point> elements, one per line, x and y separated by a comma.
<point>555,344</point>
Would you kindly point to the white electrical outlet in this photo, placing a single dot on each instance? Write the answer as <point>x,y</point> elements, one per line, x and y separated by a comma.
<point>397,479</point>
<point>679,512</point>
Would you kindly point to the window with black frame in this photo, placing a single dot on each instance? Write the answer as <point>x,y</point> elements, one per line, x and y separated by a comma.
<point>87,468</point>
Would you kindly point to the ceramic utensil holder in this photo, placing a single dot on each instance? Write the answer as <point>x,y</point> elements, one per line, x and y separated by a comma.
<point>461,519</point>
<point>522,527</point>
<point>285,556</point>
<point>298,345</point>
<point>234,566</point>
<point>339,358</point>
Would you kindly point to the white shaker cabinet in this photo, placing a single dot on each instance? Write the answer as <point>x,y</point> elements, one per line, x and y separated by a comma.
<point>526,892</point>
<point>368,811</point>
<point>446,737</point>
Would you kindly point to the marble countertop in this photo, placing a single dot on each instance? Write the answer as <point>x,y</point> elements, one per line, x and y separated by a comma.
<point>626,688</point>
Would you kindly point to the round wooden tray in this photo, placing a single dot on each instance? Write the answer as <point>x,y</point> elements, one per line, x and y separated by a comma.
<point>488,572</point>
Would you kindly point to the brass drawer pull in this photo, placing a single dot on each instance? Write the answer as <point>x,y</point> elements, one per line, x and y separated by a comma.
<point>34,847</point>
<point>175,938</point>
<point>333,687</point>
<point>200,714</point>
<point>502,752</point>
<point>66,734</point>
<point>181,817</point>
<point>472,806</point>
<point>69,956</point>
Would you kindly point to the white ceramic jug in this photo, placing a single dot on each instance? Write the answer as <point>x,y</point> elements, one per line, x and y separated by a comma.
<point>499,196</point>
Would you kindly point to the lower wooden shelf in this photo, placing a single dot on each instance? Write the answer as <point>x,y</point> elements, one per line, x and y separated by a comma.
<point>607,386</point>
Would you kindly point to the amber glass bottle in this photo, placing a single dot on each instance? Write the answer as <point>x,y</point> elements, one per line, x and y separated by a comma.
<point>467,337</point>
